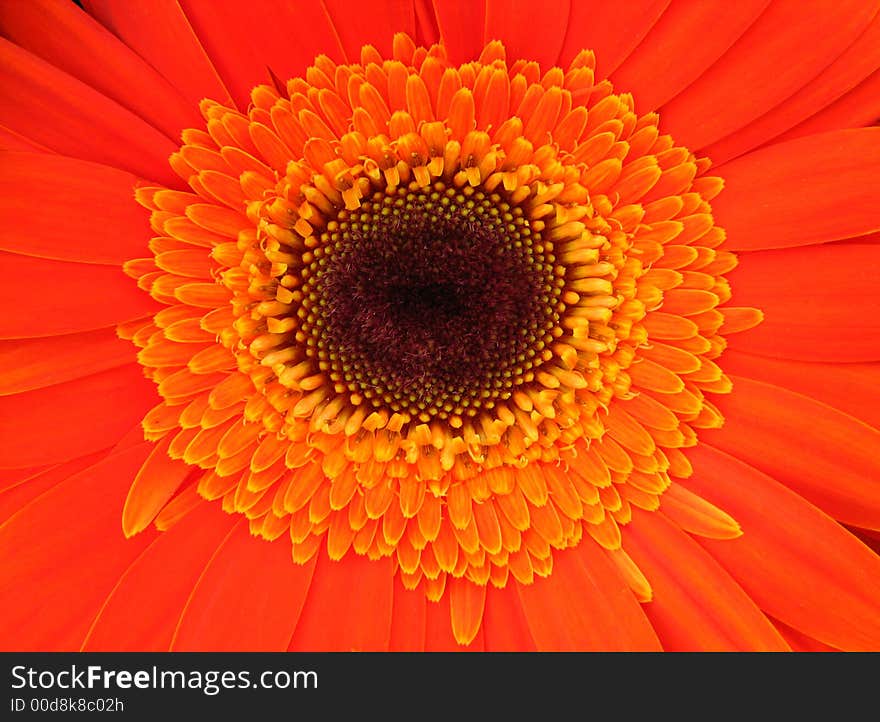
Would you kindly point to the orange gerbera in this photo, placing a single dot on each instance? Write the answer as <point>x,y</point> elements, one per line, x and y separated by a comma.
<point>446,327</point>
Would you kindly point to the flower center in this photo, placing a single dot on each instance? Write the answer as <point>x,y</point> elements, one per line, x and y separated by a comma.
<point>459,317</point>
<point>433,301</point>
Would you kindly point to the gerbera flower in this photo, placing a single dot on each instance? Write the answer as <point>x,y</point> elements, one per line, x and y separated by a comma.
<point>439,325</point>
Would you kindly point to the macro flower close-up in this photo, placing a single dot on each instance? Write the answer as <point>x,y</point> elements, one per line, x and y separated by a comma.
<point>433,325</point>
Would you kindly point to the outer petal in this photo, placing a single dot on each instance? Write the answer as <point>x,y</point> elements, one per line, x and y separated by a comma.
<point>858,61</point>
<point>54,109</point>
<point>611,29</point>
<point>540,39</point>
<point>820,188</point>
<point>248,42</point>
<point>696,605</point>
<point>159,32</point>
<point>248,598</point>
<point>739,85</point>
<point>686,40</point>
<point>851,387</point>
<point>56,207</point>
<point>859,107</point>
<point>349,606</point>
<point>794,561</point>
<point>72,419</point>
<point>48,298</point>
<point>817,302</point>
<point>142,610</point>
<point>69,552</point>
<point>74,44</point>
<point>584,605</point>
<point>823,454</point>
<point>33,363</point>
<point>359,24</point>
<point>461,24</point>
<point>408,619</point>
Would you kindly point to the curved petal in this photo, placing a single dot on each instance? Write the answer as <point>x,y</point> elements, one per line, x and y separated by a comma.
<point>696,605</point>
<point>540,39</point>
<point>794,561</point>
<point>858,61</point>
<point>69,553</point>
<point>859,107</point>
<point>584,605</point>
<point>359,24</point>
<point>56,207</point>
<point>74,44</point>
<point>851,388</point>
<point>141,612</point>
<point>349,606</point>
<point>42,103</point>
<point>739,85</point>
<point>408,618</point>
<point>248,598</point>
<point>686,40</point>
<point>159,32</point>
<point>611,29</point>
<point>74,418</point>
<point>817,301</point>
<point>32,363</point>
<point>15,495</point>
<point>821,453</point>
<point>505,627</point>
<point>461,24</point>
<point>249,42</point>
<point>818,188</point>
<point>48,298</point>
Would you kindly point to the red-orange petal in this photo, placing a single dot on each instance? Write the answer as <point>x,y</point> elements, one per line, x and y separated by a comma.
<point>686,40</point>
<point>739,81</point>
<point>69,554</point>
<point>821,453</point>
<point>70,210</point>
<point>809,190</point>
<point>248,598</point>
<point>585,605</point>
<point>797,563</point>
<point>77,417</point>
<point>348,608</point>
<point>696,605</point>
<point>165,577</point>
<point>47,298</point>
<point>816,300</point>
<point>68,116</point>
<point>33,363</point>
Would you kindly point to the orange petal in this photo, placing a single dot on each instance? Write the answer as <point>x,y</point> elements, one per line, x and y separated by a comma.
<point>684,42</point>
<point>74,418</point>
<point>739,79</point>
<point>611,30</point>
<point>70,553</point>
<point>821,453</point>
<point>696,605</point>
<point>248,597</point>
<point>809,190</point>
<point>155,588</point>
<point>807,296</point>
<point>795,562</point>
<point>32,363</point>
<point>584,605</point>
<point>349,606</point>
<point>70,117</point>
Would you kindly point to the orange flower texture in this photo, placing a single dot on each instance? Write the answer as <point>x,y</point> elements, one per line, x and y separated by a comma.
<point>440,325</point>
